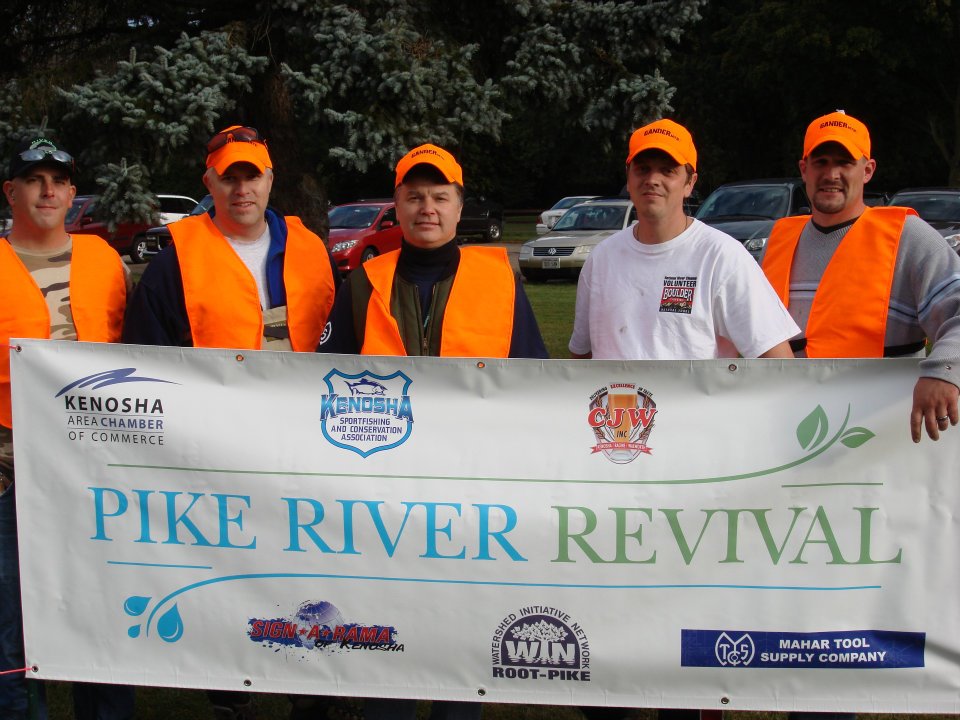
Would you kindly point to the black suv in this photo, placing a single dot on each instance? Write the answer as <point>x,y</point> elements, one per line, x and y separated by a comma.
<point>480,217</point>
<point>747,209</point>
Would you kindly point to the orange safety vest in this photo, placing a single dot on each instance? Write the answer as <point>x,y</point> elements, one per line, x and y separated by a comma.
<point>848,316</point>
<point>98,297</point>
<point>223,306</point>
<point>478,317</point>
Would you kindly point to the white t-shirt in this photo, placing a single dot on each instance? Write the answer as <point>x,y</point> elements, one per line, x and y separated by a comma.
<point>254,256</point>
<point>698,296</point>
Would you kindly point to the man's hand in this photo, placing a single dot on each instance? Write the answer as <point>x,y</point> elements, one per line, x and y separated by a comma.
<point>934,404</point>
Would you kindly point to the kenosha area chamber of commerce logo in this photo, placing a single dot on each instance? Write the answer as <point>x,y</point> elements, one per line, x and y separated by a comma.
<point>114,407</point>
<point>366,413</point>
<point>319,625</point>
<point>540,643</point>
<point>621,417</point>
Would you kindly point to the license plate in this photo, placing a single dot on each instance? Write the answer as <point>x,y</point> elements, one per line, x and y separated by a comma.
<point>551,264</point>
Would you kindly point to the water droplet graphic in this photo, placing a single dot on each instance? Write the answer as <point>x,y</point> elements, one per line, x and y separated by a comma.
<point>135,605</point>
<point>133,631</point>
<point>170,626</point>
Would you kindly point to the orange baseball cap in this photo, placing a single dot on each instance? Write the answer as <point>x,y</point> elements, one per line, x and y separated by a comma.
<point>840,128</point>
<point>237,144</point>
<point>430,155</point>
<point>674,139</point>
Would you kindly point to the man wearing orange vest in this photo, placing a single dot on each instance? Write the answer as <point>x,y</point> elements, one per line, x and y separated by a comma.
<point>431,297</point>
<point>242,276</point>
<point>60,287</point>
<point>868,282</point>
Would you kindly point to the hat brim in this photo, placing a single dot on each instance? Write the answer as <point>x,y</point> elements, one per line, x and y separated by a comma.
<point>451,176</point>
<point>26,167</point>
<point>662,147</point>
<point>239,152</point>
<point>844,141</point>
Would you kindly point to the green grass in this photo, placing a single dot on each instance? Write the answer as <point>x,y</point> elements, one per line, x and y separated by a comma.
<point>553,304</point>
<point>519,228</point>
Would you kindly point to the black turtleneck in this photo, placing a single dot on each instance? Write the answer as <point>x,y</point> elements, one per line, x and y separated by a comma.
<point>426,267</point>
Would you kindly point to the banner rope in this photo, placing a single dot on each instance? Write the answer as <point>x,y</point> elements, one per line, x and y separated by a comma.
<point>18,670</point>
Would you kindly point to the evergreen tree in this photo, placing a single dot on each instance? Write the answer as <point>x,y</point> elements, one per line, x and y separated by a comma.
<point>156,113</point>
<point>124,195</point>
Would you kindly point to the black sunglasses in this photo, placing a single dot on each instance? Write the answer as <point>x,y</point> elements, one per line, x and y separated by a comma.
<point>237,134</point>
<point>44,152</point>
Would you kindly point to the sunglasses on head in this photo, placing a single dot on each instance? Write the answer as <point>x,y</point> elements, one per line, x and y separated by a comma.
<point>44,152</point>
<point>237,134</point>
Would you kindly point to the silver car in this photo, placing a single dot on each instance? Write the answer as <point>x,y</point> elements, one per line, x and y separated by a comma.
<point>548,218</point>
<point>562,251</point>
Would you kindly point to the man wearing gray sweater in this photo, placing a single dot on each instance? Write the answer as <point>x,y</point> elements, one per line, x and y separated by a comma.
<point>868,282</point>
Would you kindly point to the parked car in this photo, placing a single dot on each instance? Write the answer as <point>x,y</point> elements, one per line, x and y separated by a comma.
<point>362,230</point>
<point>561,252</point>
<point>747,209</point>
<point>548,218</point>
<point>480,217</point>
<point>175,207</point>
<point>938,206</point>
<point>875,198</point>
<point>157,238</point>
<point>126,238</point>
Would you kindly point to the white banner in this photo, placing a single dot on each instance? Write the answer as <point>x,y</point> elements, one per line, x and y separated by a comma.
<point>749,535</point>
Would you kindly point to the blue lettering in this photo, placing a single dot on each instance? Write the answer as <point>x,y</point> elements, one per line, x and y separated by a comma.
<point>143,495</point>
<point>226,520</point>
<point>433,530</point>
<point>485,533</point>
<point>174,520</point>
<point>295,526</point>
<point>98,510</point>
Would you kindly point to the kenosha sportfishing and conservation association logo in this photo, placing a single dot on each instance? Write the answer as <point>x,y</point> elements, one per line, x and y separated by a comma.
<point>319,625</point>
<point>366,413</point>
<point>621,417</point>
<point>540,643</point>
<point>114,407</point>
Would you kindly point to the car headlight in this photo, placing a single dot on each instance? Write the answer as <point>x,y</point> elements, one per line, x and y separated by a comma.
<point>953,241</point>
<point>755,244</point>
<point>583,249</point>
<point>526,250</point>
<point>343,246</point>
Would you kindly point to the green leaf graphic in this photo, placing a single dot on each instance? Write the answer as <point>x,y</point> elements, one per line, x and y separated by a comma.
<point>813,429</point>
<point>856,436</point>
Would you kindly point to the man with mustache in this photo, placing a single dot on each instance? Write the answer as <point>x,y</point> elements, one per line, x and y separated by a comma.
<point>868,282</point>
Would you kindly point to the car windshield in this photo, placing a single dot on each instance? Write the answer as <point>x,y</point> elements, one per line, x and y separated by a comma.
<point>746,201</point>
<point>568,202</point>
<point>74,212</point>
<point>592,217</point>
<point>933,207</point>
<point>353,216</point>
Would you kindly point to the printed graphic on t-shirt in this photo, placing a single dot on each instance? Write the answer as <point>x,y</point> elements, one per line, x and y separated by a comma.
<point>677,294</point>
